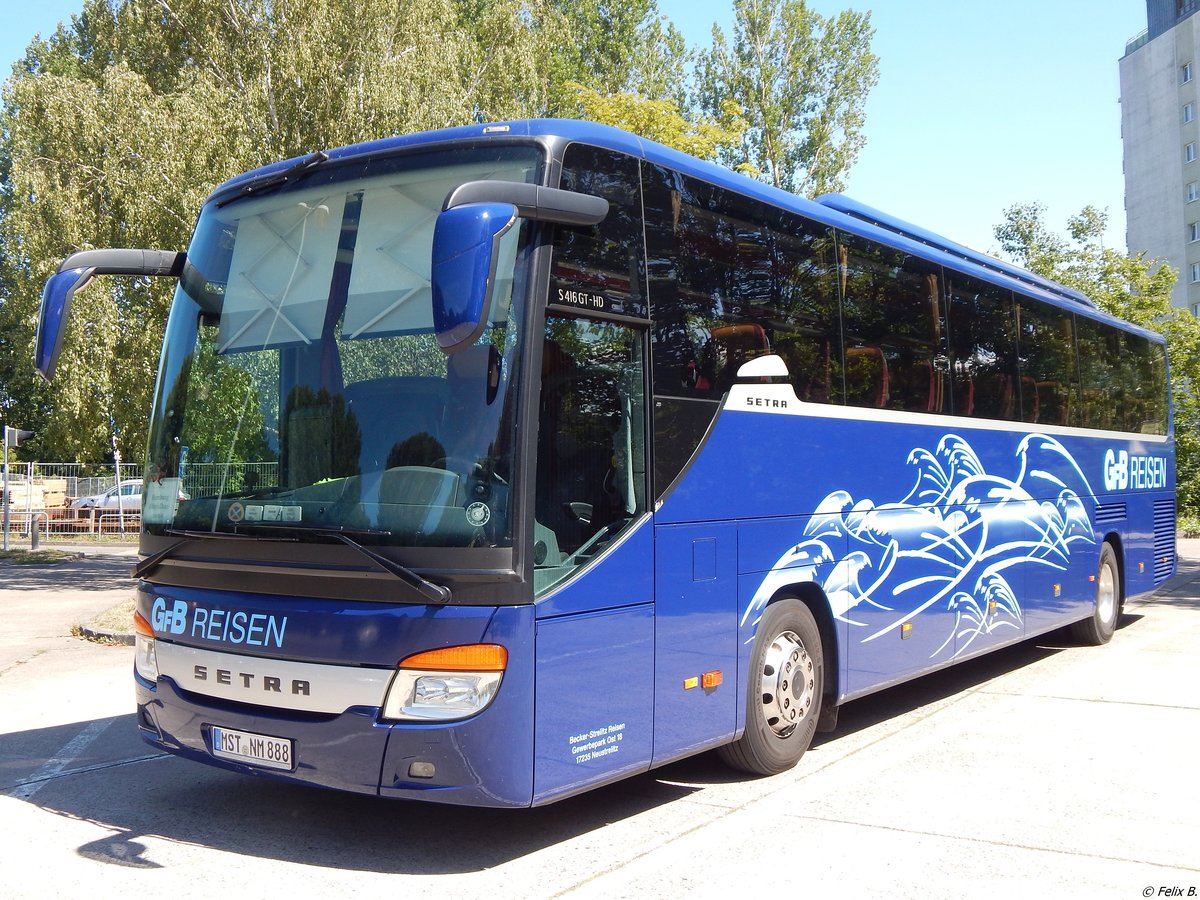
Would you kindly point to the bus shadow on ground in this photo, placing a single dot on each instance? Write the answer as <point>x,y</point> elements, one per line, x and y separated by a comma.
<point>137,798</point>
<point>95,573</point>
<point>124,788</point>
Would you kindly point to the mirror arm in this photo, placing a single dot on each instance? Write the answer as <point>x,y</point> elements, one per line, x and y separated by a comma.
<point>162,263</point>
<point>74,275</point>
<point>541,204</point>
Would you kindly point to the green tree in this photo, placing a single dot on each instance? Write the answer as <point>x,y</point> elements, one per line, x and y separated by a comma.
<point>1132,287</point>
<point>801,81</point>
<point>659,120</point>
<point>617,47</point>
<point>97,164</point>
<point>115,129</point>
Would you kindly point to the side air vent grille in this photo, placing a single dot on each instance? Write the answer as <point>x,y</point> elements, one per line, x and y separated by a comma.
<point>1164,539</point>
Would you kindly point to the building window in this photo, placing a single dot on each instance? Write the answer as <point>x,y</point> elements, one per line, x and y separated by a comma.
<point>1185,73</point>
<point>1193,191</point>
<point>1189,152</point>
<point>1194,232</point>
<point>1189,112</point>
<point>1195,273</point>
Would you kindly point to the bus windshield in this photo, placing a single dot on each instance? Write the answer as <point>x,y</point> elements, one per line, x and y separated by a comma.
<point>301,385</point>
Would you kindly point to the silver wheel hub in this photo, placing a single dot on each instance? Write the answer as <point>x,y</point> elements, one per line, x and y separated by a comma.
<point>788,684</point>
<point>1106,595</point>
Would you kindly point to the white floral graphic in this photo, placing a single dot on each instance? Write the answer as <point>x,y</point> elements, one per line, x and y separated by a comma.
<point>951,543</point>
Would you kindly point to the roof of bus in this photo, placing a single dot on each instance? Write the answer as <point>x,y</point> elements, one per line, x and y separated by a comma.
<point>834,210</point>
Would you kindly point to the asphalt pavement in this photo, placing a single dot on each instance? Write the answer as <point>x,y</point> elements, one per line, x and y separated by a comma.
<point>40,602</point>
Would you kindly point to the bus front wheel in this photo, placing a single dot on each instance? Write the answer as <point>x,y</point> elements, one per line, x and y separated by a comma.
<point>783,696</point>
<point>1098,628</point>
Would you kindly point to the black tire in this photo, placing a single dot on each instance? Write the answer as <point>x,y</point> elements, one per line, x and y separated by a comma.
<point>1098,628</point>
<point>781,709</point>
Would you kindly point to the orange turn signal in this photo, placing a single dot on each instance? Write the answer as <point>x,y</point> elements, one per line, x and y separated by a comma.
<point>469,657</point>
<point>141,626</point>
<point>711,679</point>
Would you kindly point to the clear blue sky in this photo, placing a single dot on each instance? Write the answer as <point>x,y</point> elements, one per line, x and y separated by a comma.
<point>979,105</point>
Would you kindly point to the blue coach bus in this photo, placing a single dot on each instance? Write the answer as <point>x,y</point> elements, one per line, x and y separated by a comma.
<point>547,455</point>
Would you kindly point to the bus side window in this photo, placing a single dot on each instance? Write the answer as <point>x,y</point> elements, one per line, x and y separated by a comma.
<point>683,309</point>
<point>1144,373</point>
<point>1100,354</point>
<point>730,280</point>
<point>591,474</point>
<point>1049,372</point>
<point>983,349</point>
<point>601,268</point>
<point>891,314</point>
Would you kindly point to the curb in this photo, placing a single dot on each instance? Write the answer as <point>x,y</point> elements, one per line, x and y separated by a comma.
<point>104,636</point>
<point>71,557</point>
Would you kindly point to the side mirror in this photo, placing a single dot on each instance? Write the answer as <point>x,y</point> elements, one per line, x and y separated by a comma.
<point>52,318</point>
<point>74,274</point>
<point>466,242</point>
<point>466,246</point>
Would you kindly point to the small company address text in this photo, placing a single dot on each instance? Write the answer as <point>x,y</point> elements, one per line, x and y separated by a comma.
<point>597,742</point>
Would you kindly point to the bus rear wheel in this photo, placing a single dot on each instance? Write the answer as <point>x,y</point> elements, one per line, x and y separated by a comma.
<point>1098,628</point>
<point>783,696</point>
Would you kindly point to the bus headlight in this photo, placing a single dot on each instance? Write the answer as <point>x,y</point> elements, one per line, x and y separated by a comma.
<point>451,683</point>
<point>145,658</point>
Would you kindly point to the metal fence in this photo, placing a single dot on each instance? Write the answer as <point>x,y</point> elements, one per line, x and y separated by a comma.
<point>35,497</point>
<point>1137,42</point>
<point>200,479</point>
<point>83,479</point>
<point>209,479</point>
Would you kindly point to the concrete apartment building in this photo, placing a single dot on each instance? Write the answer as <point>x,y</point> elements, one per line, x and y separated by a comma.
<point>1160,131</point>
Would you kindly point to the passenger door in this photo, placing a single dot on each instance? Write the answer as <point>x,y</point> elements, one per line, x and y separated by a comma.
<point>593,552</point>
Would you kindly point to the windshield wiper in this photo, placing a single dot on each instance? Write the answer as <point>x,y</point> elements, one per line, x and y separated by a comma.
<point>278,179</point>
<point>152,561</point>
<point>435,593</point>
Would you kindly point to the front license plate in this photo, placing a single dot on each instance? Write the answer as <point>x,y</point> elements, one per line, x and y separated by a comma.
<point>259,749</point>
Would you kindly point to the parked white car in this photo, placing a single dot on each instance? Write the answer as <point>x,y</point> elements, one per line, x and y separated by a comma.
<point>130,498</point>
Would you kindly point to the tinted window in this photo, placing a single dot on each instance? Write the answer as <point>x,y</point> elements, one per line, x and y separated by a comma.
<point>711,272</point>
<point>1103,375</point>
<point>1145,375</point>
<point>1123,379</point>
<point>600,269</point>
<point>1049,379</point>
<point>892,319</point>
<point>591,475</point>
<point>805,327</point>
<point>731,280</point>
<point>983,349</point>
